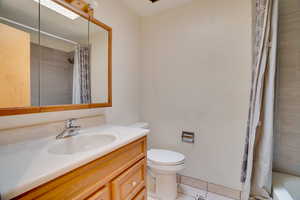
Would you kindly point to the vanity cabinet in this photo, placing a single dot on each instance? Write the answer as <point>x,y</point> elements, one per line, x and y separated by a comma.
<point>141,196</point>
<point>119,175</point>
<point>127,185</point>
<point>102,194</point>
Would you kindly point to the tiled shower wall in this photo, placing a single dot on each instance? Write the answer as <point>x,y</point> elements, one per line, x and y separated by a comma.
<point>52,77</point>
<point>287,140</point>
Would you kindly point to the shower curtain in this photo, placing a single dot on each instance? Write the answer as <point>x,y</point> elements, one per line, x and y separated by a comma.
<point>258,158</point>
<point>76,97</point>
<point>81,76</point>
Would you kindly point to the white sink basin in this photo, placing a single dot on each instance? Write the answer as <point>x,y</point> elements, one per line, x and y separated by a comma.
<point>79,143</point>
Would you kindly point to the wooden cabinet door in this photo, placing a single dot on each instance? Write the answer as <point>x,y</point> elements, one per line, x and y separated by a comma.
<point>103,194</point>
<point>15,67</point>
<point>141,196</point>
<point>128,184</point>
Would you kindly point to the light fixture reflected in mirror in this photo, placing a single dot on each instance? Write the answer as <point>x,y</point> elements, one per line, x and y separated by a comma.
<point>58,8</point>
<point>93,4</point>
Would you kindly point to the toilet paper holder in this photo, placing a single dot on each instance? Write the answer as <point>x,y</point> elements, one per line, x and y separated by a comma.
<point>188,137</point>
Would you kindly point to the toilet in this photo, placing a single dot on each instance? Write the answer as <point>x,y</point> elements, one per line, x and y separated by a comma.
<point>163,166</point>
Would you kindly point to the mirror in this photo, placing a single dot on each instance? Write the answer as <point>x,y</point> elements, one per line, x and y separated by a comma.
<point>52,56</point>
<point>19,30</point>
<point>98,38</point>
<point>64,59</point>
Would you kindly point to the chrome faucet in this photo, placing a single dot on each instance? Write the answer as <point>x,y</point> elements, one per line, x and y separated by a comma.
<point>69,130</point>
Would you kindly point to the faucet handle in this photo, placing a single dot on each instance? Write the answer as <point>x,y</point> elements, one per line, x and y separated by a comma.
<point>69,122</point>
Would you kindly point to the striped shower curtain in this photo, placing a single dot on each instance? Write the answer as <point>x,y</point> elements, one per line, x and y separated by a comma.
<point>81,76</point>
<point>257,164</point>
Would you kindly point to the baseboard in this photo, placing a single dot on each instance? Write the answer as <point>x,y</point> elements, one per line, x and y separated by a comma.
<point>203,187</point>
<point>193,192</point>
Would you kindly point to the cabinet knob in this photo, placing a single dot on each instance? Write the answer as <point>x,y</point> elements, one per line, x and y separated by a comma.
<point>133,183</point>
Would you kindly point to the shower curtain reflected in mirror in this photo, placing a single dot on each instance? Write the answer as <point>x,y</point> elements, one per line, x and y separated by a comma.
<point>81,76</point>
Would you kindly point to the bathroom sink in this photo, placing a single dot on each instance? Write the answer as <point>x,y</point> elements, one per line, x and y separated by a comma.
<point>78,144</point>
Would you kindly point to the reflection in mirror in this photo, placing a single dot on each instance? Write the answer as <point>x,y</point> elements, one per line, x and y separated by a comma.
<point>99,63</point>
<point>53,58</point>
<point>19,28</point>
<point>65,59</point>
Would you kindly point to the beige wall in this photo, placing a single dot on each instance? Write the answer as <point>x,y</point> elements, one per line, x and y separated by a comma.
<point>99,67</point>
<point>287,141</point>
<point>126,60</point>
<point>196,71</point>
<point>125,110</point>
<point>51,82</point>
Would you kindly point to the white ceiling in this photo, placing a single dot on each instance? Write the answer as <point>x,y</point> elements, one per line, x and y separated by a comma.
<point>147,8</point>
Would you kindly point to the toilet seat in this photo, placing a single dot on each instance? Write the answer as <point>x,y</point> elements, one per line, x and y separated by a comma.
<point>162,157</point>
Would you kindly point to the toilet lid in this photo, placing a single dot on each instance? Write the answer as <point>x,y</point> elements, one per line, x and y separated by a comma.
<point>165,157</point>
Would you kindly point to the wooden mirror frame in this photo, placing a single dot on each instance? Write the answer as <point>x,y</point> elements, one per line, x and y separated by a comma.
<point>42,109</point>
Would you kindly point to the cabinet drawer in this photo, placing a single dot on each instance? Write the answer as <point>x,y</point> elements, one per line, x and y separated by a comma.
<point>103,194</point>
<point>141,196</point>
<point>127,185</point>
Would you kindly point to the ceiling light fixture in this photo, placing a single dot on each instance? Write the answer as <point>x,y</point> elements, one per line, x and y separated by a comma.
<point>58,8</point>
<point>153,1</point>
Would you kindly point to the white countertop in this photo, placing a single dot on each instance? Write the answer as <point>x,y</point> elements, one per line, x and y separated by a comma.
<point>24,166</point>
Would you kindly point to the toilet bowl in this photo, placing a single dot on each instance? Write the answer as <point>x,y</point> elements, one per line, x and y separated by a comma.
<point>163,165</point>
